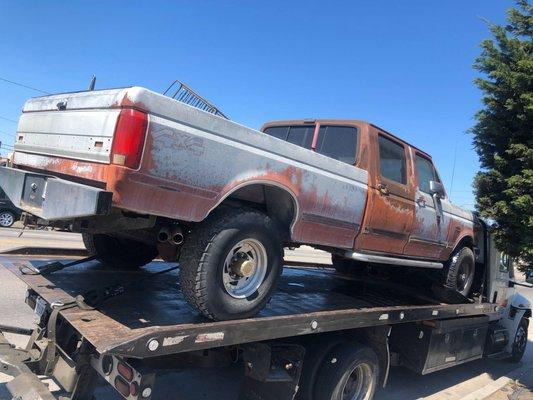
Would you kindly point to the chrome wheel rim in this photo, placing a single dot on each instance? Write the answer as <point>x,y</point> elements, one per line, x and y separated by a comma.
<point>357,383</point>
<point>244,268</point>
<point>6,219</point>
<point>464,277</point>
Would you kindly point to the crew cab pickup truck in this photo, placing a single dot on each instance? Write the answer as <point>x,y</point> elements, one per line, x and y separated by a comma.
<point>141,175</point>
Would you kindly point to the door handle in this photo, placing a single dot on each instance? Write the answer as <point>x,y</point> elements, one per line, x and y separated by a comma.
<point>383,189</point>
<point>421,202</point>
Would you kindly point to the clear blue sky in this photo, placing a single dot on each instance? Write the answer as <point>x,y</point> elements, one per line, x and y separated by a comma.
<point>403,65</point>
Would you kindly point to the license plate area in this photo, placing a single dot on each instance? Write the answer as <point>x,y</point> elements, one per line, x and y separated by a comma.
<point>40,308</point>
<point>34,190</point>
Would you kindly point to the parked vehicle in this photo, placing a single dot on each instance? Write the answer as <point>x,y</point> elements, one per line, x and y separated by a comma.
<point>8,212</point>
<point>141,174</point>
<point>324,335</point>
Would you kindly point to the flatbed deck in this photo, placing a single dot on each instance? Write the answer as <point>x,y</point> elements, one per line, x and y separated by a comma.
<point>308,300</point>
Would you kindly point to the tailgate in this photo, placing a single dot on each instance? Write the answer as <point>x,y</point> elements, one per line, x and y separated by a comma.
<point>73,125</point>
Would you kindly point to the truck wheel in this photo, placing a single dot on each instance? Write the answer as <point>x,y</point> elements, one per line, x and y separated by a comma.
<point>460,270</point>
<point>230,264</point>
<point>520,341</point>
<point>119,253</point>
<point>350,371</point>
<point>7,218</point>
<point>316,350</point>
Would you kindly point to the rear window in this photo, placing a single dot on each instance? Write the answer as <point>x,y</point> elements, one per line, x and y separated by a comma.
<point>298,135</point>
<point>338,142</point>
<point>392,160</point>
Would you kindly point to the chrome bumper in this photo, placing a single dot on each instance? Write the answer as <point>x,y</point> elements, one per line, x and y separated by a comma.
<point>52,198</point>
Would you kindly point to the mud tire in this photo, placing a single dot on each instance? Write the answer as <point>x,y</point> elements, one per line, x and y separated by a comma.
<point>203,255</point>
<point>455,266</point>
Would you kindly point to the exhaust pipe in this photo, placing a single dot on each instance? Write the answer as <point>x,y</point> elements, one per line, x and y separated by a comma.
<point>163,235</point>
<point>176,236</point>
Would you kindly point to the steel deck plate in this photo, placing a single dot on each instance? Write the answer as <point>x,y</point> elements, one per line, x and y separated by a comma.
<point>308,300</point>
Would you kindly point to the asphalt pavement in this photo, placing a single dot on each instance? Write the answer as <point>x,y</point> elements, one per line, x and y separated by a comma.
<point>451,384</point>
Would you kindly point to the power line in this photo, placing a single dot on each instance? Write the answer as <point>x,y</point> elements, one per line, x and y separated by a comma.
<point>9,119</point>
<point>7,133</point>
<point>23,85</point>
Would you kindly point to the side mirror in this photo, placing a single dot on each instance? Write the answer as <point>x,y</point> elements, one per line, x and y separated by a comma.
<point>436,188</point>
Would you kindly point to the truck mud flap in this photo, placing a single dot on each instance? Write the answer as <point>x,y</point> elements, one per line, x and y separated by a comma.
<point>272,372</point>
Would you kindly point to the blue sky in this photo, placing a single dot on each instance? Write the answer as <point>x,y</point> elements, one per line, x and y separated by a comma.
<point>403,65</point>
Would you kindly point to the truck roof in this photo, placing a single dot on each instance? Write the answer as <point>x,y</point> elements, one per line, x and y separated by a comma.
<point>309,121</point>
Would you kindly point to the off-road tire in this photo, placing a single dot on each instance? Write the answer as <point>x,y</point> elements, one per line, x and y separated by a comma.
<point>119,253</point>
<point>203,255</point>
<point>342,359</point>
<point>450,270</point>
<point>518,349</point>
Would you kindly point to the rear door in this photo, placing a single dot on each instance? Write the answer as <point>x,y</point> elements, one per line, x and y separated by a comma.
<point>390,207</point>
<point>428,238</point>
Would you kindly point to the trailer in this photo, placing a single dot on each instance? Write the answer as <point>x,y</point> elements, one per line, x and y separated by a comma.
<point>323,336</point>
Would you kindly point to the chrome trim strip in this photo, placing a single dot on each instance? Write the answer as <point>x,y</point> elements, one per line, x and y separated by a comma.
<point>392,260</point>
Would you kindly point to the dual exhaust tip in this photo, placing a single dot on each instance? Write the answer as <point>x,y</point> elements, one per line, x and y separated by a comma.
<point>172,235</point>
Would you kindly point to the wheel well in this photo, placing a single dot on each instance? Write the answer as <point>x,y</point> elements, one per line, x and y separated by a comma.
<point>278,203</point>
<point>467,241</point>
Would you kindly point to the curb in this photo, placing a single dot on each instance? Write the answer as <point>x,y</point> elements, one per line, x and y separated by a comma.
<point>498,384</point>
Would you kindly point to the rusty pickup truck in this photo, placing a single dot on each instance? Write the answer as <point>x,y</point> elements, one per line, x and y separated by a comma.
<point>141,175</point>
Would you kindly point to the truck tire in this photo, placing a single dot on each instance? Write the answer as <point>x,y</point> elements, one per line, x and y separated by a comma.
<point>520,341</point>
<point>459,271</point>
<point>350,371</point>
<point>119,253</point>
<point>317,347</point>
<point>230,263</point>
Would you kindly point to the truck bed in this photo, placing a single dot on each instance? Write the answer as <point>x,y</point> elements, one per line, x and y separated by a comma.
<point>308,300</point>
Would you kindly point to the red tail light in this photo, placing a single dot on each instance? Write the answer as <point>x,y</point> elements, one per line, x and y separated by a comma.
<point>129,137</point>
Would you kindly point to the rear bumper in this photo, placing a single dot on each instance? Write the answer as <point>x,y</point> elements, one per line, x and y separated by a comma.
<point>52,198</point>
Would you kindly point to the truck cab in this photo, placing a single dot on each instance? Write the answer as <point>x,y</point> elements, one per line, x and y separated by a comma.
<point>408,213</point>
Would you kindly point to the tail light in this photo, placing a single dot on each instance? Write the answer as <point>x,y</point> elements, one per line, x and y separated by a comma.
<point>128,141</point>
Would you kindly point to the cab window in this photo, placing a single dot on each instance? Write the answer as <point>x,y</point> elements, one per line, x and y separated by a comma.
<point>338,142</point>
<point>392,160</point>
<point>298,135</point>
<point>425,173</point>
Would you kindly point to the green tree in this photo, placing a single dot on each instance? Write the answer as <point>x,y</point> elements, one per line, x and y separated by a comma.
<point>503,134</point>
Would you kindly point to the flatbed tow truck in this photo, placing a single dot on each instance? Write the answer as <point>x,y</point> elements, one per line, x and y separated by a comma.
<point>323,335</point>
